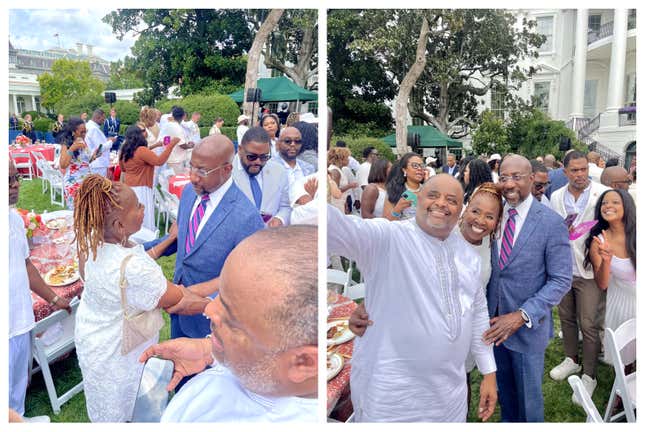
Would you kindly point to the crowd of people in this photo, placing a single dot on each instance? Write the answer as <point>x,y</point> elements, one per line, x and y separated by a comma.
<point>240,219</point>
<point>474,256</point>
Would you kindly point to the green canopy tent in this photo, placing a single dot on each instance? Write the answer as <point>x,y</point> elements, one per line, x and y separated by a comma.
<point>429,137</point>
<point>279,89</point>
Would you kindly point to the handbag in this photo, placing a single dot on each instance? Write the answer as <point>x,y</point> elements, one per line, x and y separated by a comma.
<point>138,328</point>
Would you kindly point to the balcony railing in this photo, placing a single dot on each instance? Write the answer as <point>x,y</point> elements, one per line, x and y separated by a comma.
<point>605,30</point>
<point>591,127</point>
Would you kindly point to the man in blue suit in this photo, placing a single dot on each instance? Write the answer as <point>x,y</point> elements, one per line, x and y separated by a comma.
<point>531,272</point>
<point>214,216</point>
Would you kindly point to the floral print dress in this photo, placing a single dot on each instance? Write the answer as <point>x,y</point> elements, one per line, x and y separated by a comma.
<point>78,169</point>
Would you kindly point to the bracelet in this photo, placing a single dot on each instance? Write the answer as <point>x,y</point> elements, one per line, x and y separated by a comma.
<point>395,214</point>
<point>54,300</point>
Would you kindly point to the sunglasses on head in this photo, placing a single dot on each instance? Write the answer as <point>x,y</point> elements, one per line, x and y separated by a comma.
<point>252,157</point>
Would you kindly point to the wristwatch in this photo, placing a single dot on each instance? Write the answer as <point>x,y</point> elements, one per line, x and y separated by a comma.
<point>525,317</point>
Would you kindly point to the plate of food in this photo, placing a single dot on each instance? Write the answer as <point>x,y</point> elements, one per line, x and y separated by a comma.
<point>338,332</point>
<point>334,365</point>
<point>56,224</point>
<point>62,275</point>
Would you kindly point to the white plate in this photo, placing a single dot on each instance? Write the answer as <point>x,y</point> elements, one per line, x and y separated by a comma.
<point>56,224</point>
<point>46,217</point>
<point>335,365</point>
<point>345,336</point>
<point>73,278</point>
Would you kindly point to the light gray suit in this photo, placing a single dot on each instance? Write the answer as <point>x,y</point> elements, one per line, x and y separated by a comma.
<point>275,188</point>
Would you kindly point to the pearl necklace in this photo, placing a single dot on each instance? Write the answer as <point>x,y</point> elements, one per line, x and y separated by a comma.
<point>413,190</point>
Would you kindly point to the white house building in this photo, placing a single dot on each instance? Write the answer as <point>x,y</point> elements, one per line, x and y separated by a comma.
<point>586,76</point>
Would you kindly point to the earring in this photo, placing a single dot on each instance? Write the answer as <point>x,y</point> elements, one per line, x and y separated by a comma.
<point>405,174</point>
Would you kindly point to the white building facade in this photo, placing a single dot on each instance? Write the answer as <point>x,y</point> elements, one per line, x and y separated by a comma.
<point>586,75</point>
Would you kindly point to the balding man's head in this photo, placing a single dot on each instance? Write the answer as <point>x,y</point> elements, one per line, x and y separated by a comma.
<point>516,177</point>
<point>549,161</point>
<point>290,144</point>
<point>439,205</point>
<point>616,177</point>
<point>212,156</point>
<point>264,321</point>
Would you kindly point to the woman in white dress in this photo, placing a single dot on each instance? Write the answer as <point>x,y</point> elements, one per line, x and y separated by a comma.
<point>337,158</point>
<point>105,215</point>
<point>611,250</point>
<point>375,194</point>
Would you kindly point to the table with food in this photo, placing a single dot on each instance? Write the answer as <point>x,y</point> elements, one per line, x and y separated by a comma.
<point>340,345</point>
<point>54,256</point>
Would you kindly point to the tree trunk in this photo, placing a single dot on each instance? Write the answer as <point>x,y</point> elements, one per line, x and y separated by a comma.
<point>300,73</point>
<point>401,107</point>
<point>254,56</point>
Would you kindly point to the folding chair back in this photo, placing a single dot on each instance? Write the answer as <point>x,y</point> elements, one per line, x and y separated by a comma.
<point>25,162</point>
<point>621,344</point>
<point>593,416</point>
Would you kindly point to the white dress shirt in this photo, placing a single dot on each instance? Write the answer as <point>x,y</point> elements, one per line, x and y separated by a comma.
<point>21,314</point>
<point>363,173</point>
<point>216,395</point>
<point>409,365</point>
<point>174,130</point>
<point>192,131</point>
<point>522,212</point>
<point>215,198</point>
<point>93,139</point>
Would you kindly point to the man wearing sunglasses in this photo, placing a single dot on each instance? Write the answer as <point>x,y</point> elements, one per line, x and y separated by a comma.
<point>264,182</point>
<point>289,147</point>
<point>541,182</point>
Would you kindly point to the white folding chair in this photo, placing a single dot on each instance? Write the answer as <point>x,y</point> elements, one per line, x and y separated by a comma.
<point>621,344</point>
<point>44,352</point>
<point>354,290</point>
<point>338,277</point>
<point>56,187</point>
<point>39,158</point>
<point>57,150</point>
<point>593,416</point>
<point>171,203</point>
<point>28,165</point>
<point>43,166</point>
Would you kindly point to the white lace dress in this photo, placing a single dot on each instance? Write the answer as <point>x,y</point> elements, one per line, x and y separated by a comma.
<point>110,379</point>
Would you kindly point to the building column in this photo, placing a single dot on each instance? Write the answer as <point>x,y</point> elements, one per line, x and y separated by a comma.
<point>15,104</point>
<point>616,87</point>
<point>580,64</point>
<point>33,103</point>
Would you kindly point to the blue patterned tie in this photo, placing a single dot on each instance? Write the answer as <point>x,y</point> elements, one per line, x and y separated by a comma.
<point>194,222</point>
<point>257,192</point>
<point>507,239</point>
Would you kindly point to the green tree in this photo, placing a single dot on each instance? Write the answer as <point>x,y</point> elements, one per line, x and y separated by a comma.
<point>68,80</point>
<point>490,136</point>
<point>123,75</point>
<point>189,48</point>
<point>86,103</point>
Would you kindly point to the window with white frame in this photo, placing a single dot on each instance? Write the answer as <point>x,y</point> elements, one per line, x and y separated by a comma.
<point>541,95</point>
<point>594,23</point>
<point>545,28</point>
<point>497,99</point>
<point>591,92</point>
<point>20,101</point>
<point>631,88</point>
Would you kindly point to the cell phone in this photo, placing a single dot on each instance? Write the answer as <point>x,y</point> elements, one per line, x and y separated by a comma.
<point>152,396</point>
<point>410,197</point>
<point>166,140</point>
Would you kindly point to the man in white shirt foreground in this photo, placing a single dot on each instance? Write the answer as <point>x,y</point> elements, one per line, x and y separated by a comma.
<point>428,309</point>
<point>263,341</point>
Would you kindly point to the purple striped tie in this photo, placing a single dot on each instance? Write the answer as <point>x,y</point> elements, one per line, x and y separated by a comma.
<point>507,239</point>
<point>194,222</point>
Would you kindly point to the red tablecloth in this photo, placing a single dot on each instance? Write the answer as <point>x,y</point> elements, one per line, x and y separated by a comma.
<point>47,150</point>
<point>56,248</point>
<point>338,387</point>
<point>177,183</point>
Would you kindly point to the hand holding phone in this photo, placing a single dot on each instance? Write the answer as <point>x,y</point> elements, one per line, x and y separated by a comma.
<point>410,196</point>
<point>166,140</point>
<point>152,396</point>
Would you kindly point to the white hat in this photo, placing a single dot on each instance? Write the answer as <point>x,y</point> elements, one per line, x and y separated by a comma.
<point>430,160</point>
<point>243,117</point>
<point>308,118</point>
<point>495,156</point>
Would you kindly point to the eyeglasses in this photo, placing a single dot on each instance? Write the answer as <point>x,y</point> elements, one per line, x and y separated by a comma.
<point>201,172</point>
<point>289,141</point>
<point>541,185</point>
<point>514,177</point>
<point>14,178</point>
<point>417,166</point>
<point>263,157</point>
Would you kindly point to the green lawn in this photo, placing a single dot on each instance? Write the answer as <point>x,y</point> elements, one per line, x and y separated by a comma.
<point>66,372</point>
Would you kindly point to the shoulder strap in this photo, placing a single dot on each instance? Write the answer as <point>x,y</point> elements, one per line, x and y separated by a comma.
<point>122,280</point>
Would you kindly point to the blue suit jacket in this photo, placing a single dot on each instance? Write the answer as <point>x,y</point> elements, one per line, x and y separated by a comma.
<point>535,278</point>
<point>111,127</point>
<point>234,219</point>
<point>557,179</point>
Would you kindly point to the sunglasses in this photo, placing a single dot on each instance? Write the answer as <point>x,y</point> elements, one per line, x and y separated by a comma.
<point>541,185</point>
<point>289,141</point>
<point>253,157</point>
<point>15,178</point>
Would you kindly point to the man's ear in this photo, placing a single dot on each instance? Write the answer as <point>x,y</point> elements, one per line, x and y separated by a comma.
<point>302,363</point>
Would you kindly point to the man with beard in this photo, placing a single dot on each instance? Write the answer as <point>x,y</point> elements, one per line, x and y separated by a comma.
<point>289,146</point>
<point>264,348</point>
<point>410,366</point>
<point>265,183</point>
<point>531,271</point>
<point>584,306</point>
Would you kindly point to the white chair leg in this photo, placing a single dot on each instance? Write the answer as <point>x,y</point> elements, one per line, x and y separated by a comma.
<point>610,404</point>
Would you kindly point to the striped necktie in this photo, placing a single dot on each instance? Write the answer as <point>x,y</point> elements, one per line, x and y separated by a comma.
<point>194,222</point>
<point>507,239</point>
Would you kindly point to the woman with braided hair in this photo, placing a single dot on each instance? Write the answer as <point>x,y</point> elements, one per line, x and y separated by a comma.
<point>106,213</point>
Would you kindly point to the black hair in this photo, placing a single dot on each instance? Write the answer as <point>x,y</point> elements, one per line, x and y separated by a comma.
<point>67,134</point>
<point>612,162</point>
<point>629,219</point>
<point>341,144</point>
<point>178,113</point>
<point>255,134</point>
<point>308,134</point>
<point>378,171</point>
<point>479,173</point>
<point>573,155</point>
<point>367,151</point>
<point>537,166</point>
<point>463,163</point>
<point>395,184</point>
<point>494,165</point>
<point>277,122</point>
<point>133,140</point>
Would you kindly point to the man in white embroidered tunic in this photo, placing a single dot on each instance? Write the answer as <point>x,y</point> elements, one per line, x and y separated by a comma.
<point>428,309</point>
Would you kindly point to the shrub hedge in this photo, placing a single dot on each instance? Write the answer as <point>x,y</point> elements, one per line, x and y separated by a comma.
<point>357,144</point>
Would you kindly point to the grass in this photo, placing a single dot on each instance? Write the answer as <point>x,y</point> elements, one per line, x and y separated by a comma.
<point>66,372</point>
